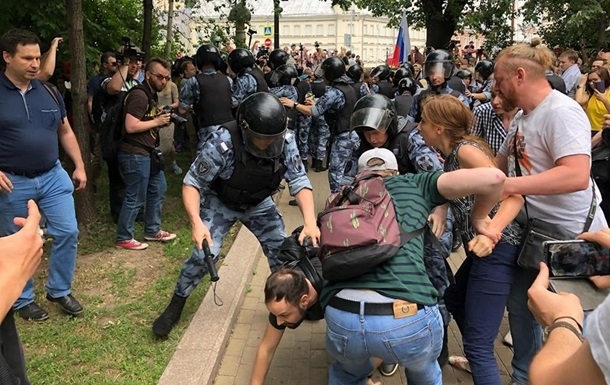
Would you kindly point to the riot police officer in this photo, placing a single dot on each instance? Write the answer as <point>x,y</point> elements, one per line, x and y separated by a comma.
<point>404,71</point>
<point>208,93</point>
<point>249,79</point>
<point>282,81</point>
<point>336,105</point>
<point>381,77</point>
<point>376,121</point>
<point>277,57</point>
<point>484,71</point>
<point>320,131</point>
<point>438,69</point>
<point>355,73</point>
<point>406,94</point>
<point>236,171</point>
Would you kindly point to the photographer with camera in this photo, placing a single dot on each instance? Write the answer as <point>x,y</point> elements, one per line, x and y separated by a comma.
<point>139,163</point>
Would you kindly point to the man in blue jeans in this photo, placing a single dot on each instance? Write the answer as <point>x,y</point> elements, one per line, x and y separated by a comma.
<point>33,121</point>
<point>143,184</point>
<point>547,154</point>
<point>391,313</point>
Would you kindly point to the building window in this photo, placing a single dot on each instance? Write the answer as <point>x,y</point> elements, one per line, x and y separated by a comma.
<point>320,30</point>
<point>285,30</point>
<point>308,30</point>
<point>297,30</point>
<point>331,30</point>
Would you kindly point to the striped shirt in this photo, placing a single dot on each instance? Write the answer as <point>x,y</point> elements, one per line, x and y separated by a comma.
<point>488,126</point>
<point>404,276</point>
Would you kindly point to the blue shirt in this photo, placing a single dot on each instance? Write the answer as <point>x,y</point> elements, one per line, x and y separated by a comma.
<point>243,86</point>
<point>29,123</point>
<point>286,91</point>
<point>332,101</point>
<point>216,159</point>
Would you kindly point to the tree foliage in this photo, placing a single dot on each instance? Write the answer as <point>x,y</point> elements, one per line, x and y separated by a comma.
<point>570,23</point>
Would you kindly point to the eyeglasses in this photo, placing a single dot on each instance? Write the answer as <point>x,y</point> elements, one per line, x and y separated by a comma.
<point>111,63</point>
<point>160,77</point>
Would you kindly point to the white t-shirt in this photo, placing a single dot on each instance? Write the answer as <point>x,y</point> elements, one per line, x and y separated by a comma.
<point>597,333</point>
<point>558,127</point>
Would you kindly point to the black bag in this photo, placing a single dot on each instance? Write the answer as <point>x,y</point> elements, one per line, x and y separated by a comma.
<point>537,231</point>
<point>157,162</point>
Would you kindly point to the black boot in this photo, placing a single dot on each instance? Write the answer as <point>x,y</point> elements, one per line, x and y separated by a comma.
<point>316,164</point>
<point>166,321</point>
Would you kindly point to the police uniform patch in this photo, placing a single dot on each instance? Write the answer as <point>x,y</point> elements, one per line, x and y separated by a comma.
<point>203,167</point>
<point>425,163</point>
<point>297,163</point>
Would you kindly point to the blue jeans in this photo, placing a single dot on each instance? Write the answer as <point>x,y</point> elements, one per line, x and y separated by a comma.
<point>477,301</point>
<point>414,342</point>
<point>140,188</point>
<point>52,191</point>
<point>527,333</point>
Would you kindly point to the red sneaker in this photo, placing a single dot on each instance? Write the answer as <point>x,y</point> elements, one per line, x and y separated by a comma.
<point>131,244</point>
<point>161,236</point>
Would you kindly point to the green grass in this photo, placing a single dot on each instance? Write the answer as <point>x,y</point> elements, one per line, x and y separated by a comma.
<point>122,294</point>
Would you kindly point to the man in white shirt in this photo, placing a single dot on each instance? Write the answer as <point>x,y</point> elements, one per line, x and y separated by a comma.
<point>552,141</point>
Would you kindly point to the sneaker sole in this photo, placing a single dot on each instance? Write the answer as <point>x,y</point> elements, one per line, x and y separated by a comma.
<point>389,374</point>
<point>131,248</point>
<point>159,240</point>
<point>35,319</point>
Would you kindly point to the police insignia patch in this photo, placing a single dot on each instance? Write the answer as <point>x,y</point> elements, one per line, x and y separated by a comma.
<point>204,167</point>
<point>296,161</point>
<point>425,163</point>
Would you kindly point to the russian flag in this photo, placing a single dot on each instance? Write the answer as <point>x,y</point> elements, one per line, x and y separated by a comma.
<point>403,44</point>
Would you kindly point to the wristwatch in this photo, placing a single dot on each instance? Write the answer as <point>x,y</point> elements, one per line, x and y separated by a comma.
<point>294,106</point>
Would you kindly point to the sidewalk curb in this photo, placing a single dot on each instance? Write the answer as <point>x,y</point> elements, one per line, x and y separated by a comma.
<point>198,355</point>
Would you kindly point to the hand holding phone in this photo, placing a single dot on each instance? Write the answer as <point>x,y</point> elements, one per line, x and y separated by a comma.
<point>576,258</point>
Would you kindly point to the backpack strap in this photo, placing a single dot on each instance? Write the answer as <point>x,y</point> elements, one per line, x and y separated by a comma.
<point>52,90</point>
<point>142,87</point>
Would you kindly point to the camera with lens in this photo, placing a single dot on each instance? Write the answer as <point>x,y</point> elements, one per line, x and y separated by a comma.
<point>301,48</point>
<point>129,50</point>
<point>316,44</point>
<point>173,117</point>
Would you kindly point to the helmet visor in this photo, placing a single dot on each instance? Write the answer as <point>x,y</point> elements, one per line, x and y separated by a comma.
<point>443,68</point>
<point>371,118</point>
<point>319,71</point>
<point>275,78</point>
<point>263,146</point>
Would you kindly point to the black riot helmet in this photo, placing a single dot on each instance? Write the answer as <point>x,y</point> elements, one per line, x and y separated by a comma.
<point>373,112</point>
<point>207,54</point>
<point>278,57</point>
<point>485,68</point>
<point>240,59</point>
<point>408,66</point>
<point>382,72</point>
<point>355,72</point>
<point>331,69</point>
<point>401,73</point>
<point>407,84</point>
<point>224,62</point>
<point>262,119</point>
<point>438,61</point>
<point>284,75</point>
<point>463,74</point>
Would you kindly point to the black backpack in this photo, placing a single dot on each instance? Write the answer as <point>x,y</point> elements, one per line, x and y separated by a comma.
<point>112,126</point>
<point>101,101</point>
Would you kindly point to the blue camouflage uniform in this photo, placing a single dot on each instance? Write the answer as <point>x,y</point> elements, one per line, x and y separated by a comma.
<point>365,91</point>
<point>244,85</point>
<point>320,134</point>
<point>414,115</point>
<point>304,131</point>
<point>421,158</point>
<point>215,159</point>
<point>189,96</point>
<point>289,92</point>
<point>342,143</point>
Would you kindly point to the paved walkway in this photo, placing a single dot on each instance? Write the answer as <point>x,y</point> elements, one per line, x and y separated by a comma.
<point>301,358</point>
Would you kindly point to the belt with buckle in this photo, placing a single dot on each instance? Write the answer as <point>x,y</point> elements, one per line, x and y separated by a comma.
<point>370,308</point>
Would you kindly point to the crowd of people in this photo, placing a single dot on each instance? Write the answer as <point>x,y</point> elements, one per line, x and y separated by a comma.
<point>464,146</point>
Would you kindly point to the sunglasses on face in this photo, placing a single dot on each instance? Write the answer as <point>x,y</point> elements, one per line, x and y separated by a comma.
<point>160,77</point>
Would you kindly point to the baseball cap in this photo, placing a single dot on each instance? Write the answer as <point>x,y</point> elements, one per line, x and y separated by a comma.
<point>384,156</point>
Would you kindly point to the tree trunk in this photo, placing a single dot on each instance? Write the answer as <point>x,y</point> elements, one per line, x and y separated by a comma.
<point>170,27</point>
<point>441,20</point>
<point>439,33</point>
<point>84,200</point>
<point>147,32</point>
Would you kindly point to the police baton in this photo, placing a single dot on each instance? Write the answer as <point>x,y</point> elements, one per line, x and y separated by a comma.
<point>209,262</point>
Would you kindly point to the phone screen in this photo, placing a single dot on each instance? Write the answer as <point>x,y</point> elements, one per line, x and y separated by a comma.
<point>577,258</point>
<point>600,86</point>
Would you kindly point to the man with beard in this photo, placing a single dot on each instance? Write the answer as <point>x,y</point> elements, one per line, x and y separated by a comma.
<point>550,139</point>
<point>142,185</point>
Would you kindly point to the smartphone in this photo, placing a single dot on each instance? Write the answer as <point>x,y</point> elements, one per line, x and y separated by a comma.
<point>600,86</point>
<point>576,258</point>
